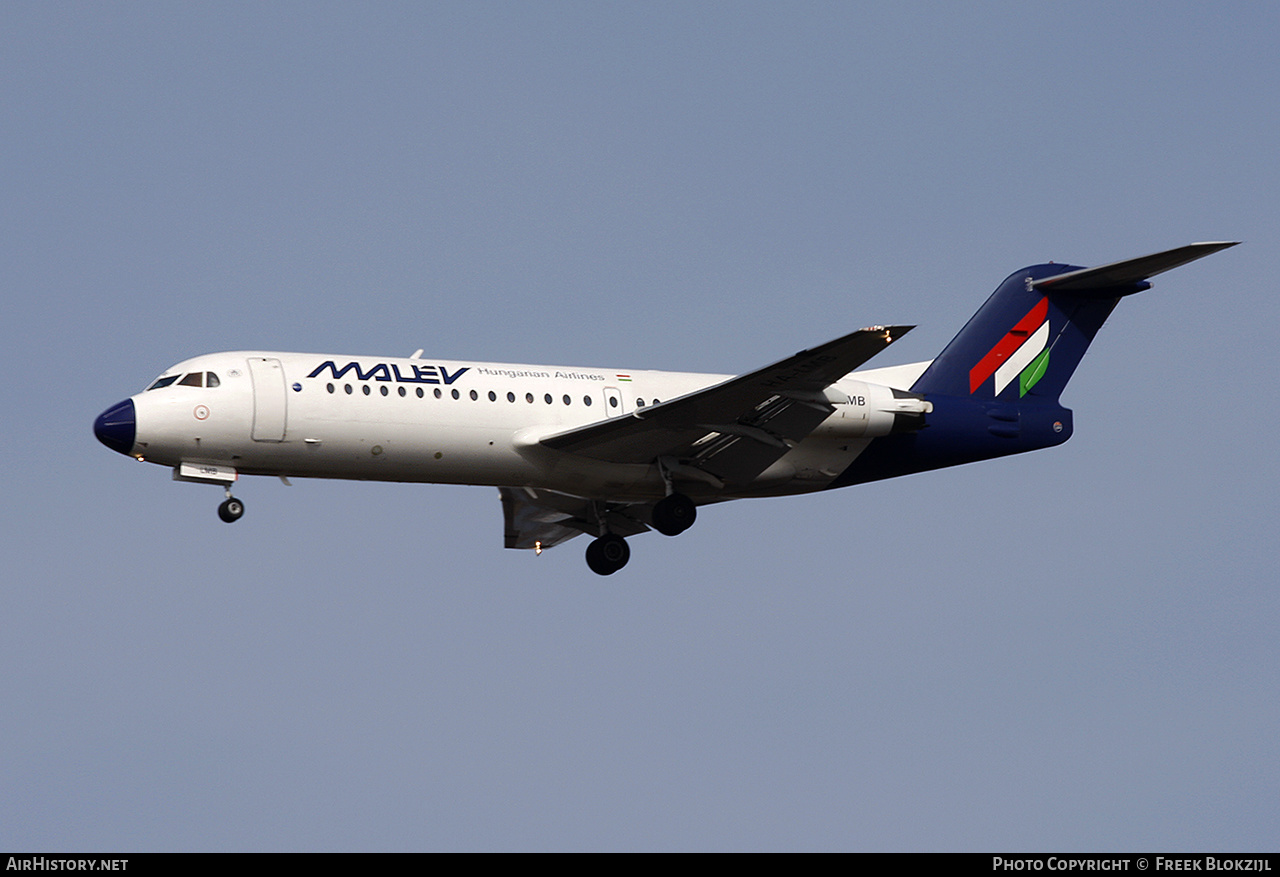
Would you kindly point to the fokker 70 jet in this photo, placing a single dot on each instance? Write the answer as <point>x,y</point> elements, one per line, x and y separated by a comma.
<point>613,453</point>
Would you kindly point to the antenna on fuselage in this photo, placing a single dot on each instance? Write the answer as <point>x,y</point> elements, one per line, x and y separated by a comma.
<point>417,354</point>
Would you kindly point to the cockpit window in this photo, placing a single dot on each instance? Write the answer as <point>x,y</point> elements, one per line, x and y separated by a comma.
<point>194,379</point>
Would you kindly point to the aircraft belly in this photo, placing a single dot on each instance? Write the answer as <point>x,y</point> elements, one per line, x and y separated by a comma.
<point>620,482</point>
<point>394,452</point>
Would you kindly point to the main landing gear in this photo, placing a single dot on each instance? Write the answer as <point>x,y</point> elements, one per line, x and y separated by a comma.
<point>670,516</point>
<point>231,508</point>
<point>674,514</point>
<point>608,554</point>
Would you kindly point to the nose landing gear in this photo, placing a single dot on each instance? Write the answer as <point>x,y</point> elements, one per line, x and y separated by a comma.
<point>231,508</point>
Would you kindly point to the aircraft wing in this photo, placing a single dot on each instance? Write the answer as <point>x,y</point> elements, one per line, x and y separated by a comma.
<point>731,432</point>
<point>543,518</point>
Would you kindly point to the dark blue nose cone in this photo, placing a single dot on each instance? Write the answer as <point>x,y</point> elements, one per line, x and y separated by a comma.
<point>116,427</point>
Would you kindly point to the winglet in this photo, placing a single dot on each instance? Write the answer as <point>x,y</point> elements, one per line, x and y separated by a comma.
<point>1129,276</point>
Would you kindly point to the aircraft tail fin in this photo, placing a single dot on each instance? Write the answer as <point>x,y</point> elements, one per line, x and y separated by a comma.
<point>1030,335</point>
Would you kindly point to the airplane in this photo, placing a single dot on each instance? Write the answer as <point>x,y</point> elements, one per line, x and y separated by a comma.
<point>613,453</point>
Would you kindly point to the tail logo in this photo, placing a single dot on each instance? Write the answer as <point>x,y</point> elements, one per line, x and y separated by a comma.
<point>1023,353</point>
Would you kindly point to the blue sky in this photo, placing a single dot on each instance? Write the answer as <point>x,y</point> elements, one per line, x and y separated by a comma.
<point>1070,650</point>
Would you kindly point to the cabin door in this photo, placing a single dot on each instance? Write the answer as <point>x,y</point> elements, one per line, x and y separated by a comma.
<point>269,399</point>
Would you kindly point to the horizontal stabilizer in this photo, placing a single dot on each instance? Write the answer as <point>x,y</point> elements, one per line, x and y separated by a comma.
<point>1121,278</point>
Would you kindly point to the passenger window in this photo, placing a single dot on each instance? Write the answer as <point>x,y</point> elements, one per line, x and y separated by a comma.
<point>511,397</point>
<point>329,387</point>
<point>438,393</point>
<point>547,397</point>
<point>195,379</point>
<point>364,388</point>
<point>528,397</point>
<point>454,394</point>
<point>493,397</point>
<point>639,403</point>
<point>347,387</point>
<point>401,391</point>
<point>586,400</point>
<point>566,398</point>
<point>383,389</point>
<point>420,393</point>
<point>474,395</point>
<point>211,380</point>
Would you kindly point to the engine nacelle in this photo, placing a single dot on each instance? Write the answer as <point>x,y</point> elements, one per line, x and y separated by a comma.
<point>870,410</point>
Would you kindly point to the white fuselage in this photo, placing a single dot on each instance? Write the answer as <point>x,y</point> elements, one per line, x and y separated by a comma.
<point>426,420</point>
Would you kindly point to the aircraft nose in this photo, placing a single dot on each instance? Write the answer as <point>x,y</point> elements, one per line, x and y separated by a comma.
<point>117,427</point>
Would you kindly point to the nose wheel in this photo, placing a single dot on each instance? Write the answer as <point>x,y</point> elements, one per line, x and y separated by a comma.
<point>608,554</point>
<point>231,509</point>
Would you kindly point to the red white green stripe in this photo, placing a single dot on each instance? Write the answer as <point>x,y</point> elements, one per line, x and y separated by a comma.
<point>1023,353</point>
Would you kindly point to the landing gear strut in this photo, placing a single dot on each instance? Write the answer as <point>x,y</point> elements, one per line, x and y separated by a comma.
<point>231,508</point>
<point>674,514</point>
<point>608,554</point>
